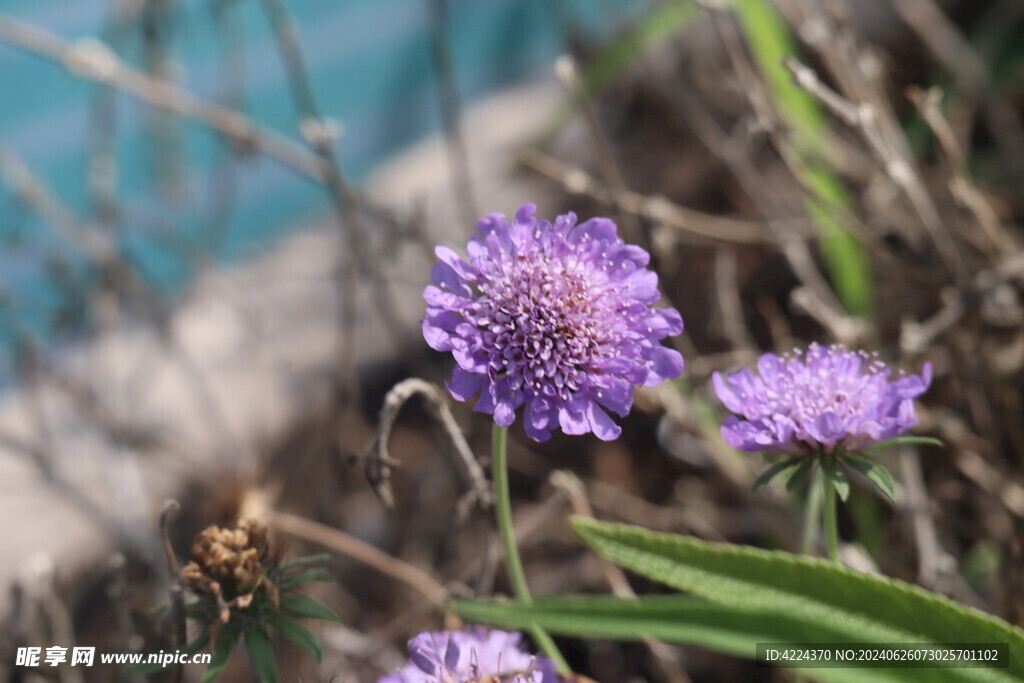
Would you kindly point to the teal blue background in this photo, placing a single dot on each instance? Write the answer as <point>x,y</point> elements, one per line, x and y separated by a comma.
<point>372,69</point>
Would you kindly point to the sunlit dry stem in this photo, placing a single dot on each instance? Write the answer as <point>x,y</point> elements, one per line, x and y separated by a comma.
<point>170,507</point>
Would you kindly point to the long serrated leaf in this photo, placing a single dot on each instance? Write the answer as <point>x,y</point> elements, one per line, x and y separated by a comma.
<point>684,620</point>
<point>875,472</point>
<point>892,610</point>
<point>261,654</point>
<point>906,441</point>
<point>297,633</point>
<point>221,654</point>
<point>772,472</point>
<point>301,606</point>
<point>836,478</point>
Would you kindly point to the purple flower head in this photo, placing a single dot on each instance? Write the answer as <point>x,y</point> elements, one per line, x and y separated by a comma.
<point>556,317</point>
<point>826,400</point>
<point>471,656</point>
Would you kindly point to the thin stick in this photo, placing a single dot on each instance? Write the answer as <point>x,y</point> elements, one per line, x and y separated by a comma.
<point>962,187</point>
<point>449,96</point>
<point>568,74</point>
<point>378,460</point>
<point>170,507</point>
<point>654,208</point>
<point>864,118</point>
<point>665,658</point>
<point>93,60</point>
<point>351,546</point>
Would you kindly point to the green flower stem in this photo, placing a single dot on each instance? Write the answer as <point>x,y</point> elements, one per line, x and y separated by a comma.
<point>831,524</point>
<point>812,513</point>
<point>503,508</point>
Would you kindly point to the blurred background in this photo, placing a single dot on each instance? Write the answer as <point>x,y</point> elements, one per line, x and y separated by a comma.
<point>217,218</point>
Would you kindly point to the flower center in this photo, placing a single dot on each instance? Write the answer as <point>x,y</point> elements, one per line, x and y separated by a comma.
<point>537,314</point>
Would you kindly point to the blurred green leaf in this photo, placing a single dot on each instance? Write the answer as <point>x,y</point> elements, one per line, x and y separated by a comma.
<point>304,561</point>
<point>836,477</point>
<point>663,21</point>
<point>226,638</point>
<point>874,471</point>
<point>802,587</point>
<point>906,441</point>
<point>297,633</point>
<point>301,606</point>
<point>848,263</point>
<point>261,654</point>
<point>772,472</point>
<point>304,576</point>
<point>801,474</point>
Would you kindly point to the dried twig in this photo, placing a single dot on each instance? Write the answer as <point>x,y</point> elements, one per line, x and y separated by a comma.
<point>177,595</point>
<point>378,460</point>
<point>351,546</point>
<point>654,208</point>
<point>568,74</point>
<point>848,331</point>
<point>321,133</point>
<point>934,564</point>
<point>917,337</point>
<point>36,589</point>
<point>897,165</point>
<point>956,54</point>
<point>665,657</point>
<point>93,60</point>
<point>962,187</point>
<point>730,306</point>
<point>441,40</point>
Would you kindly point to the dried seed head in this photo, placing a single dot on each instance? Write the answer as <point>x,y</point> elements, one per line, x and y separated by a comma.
<point>228,563</point>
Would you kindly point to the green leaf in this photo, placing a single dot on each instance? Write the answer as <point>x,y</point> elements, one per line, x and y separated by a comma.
<point>772,472</point>
<point>221,653</point>
<point>906,441</point>
<point>662,22</point>
<point>866,608</point>
<point>304,561</point>
<point>261,654</point>
<point>684,620</point>
<point>144,669</point>
<point>875,472</point>
<point>848,264</point>
<point>297,633</point>
<point>836,477</point>
<point>304,576</point>
<point>301,606</point>
<point>800,474</point>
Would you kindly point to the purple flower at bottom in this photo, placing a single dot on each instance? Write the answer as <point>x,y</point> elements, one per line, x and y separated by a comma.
<point>553,317</point>
<point>471,656</point>
<point>827,400</point>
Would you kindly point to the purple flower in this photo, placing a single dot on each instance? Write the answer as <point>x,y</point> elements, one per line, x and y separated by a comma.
<point>827,400</point>
<point>471,656</point>
<point>555,317</point>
